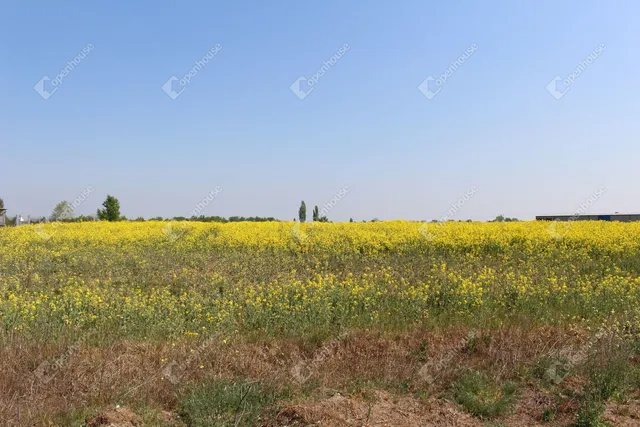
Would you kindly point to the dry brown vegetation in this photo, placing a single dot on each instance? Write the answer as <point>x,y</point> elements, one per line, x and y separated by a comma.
<point>367,378</point>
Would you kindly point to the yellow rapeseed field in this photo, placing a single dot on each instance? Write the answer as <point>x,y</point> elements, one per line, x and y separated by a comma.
<point>169,279</point>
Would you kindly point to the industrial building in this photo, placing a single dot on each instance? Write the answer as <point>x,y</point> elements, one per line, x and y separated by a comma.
<point>601,217</point>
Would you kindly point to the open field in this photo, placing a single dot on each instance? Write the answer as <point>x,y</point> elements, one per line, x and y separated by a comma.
<point>387,323</point>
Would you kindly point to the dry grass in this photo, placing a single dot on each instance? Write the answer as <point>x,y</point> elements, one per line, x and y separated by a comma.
<point>132,373</point>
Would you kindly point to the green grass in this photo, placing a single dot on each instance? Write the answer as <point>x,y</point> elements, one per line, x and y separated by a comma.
<point>225,403</point>
<point>482,397</point>
<point>609,374</point>
<point>590,413</point>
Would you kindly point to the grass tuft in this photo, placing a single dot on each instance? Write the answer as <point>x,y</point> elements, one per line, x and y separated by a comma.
<point>481,397</point>
<point>224,403</point>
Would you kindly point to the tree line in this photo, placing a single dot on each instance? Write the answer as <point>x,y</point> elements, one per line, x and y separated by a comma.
<point>64,212</point>
<point>110,211</point>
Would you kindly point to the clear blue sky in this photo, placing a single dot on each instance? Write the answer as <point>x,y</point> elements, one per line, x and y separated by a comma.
<point>366,125</point>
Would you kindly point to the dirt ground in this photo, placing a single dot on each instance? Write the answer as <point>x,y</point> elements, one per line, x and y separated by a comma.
<point>381,409</point>
<point>384,410</point>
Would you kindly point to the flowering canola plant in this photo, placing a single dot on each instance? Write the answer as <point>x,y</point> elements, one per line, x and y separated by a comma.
<point>166,279</point>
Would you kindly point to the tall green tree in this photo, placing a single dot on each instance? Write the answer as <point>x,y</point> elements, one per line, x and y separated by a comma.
<point>111,211</point>
<point>316,213</point>
<point>302,212</point>
<point>1,204</point>
<point>62,211</point>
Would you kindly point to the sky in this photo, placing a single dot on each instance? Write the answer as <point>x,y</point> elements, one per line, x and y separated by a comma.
<point>490,127</point>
